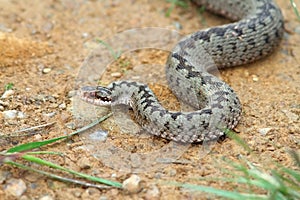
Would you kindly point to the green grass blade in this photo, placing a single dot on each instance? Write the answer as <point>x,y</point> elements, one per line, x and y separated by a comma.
<point>115,54</point>
<point>294,174</point>
<point>231,134</point>
<point>8,86</point>
<point>34,145</point>
<point>54,176</point>
<point>295,9</point>
<point>180,3</point>
<point>223,193</point>
<point>55,166</point>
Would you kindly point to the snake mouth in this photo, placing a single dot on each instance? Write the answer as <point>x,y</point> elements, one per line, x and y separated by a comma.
<point>99,96</point>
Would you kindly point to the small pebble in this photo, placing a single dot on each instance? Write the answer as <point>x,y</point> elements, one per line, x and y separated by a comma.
<point>84,163</point>
<point>62,106</point>
<point>114,175</point>
<point>178,26</point>
<point>21,115</point>
<point>24,197</point>
<point>91,193</point>
<point>76,192</point>
<point>3,103</point>
<point>103,198</point>
<point>136,77</point>
<point>85,35</point>
<point>49,114</point>
<point>3,28</point>
<point>46,70</point>
<point>71,125</point>
<point>132,184</point>
<point>255,78</point>
<point>136,161</point>
<point>33,185</point>
<point>99,135</point>
<point>153,192</point>
<point>10,114</point>
<point>246,73</point>
<point>3,176</point>
<point>114,192</point>
<point>264,131</point>
<point>158,175</point>
<point>116,74</point>
<point>51,99</point>
<point>38,137</point>
<point>46,197</point>
<point>172,172</point>
<point>15,187</point>
<point>64,117</point>
<point>72,93</point>
<point>41,66</point>
<point>7,94</point>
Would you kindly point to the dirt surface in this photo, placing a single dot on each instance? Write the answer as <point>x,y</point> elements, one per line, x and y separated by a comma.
<point>42,47</point>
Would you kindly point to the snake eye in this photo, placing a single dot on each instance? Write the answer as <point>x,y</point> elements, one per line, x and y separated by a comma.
<point>103,92</point>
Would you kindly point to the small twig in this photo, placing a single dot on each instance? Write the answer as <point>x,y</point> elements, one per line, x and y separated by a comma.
<point>34,127</point>
<point>15,134</point>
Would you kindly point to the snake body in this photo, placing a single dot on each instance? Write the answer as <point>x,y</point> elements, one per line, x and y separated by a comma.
<point>256,32</point>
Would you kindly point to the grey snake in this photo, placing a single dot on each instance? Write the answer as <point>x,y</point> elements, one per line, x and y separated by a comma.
<point>256,32</point>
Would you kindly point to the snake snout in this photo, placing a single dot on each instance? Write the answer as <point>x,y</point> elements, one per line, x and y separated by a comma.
<point>95,95</point>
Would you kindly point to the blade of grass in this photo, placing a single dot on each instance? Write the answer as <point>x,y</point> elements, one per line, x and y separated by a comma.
<point>222,193</point>
<point>180,3</point>
<point>231,134</point>
<point>294,174</point>
<point>8,86</point>
<point>33,145</point>
<point>55,166</point>
<point>16,152</point>
<point>116,55</point>
<point>56,176</point>
<point>276,184</point>
<point>295,9</point>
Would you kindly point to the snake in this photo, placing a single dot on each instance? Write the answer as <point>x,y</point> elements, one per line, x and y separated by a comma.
<point>255,31</point>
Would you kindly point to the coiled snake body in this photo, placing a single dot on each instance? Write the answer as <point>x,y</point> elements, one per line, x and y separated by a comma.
<point>256,33</point>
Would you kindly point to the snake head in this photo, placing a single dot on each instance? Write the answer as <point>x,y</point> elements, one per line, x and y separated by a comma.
<point>96,95</point>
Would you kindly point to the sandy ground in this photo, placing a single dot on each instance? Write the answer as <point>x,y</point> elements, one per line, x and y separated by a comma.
<point>42,47</point>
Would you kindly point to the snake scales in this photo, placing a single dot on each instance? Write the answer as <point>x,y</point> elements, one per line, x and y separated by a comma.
<point>256,32</point>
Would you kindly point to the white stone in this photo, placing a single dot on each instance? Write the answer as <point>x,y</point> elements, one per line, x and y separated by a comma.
<point>15,187</point>
<point>132,184</point>
<point>7,94</point>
